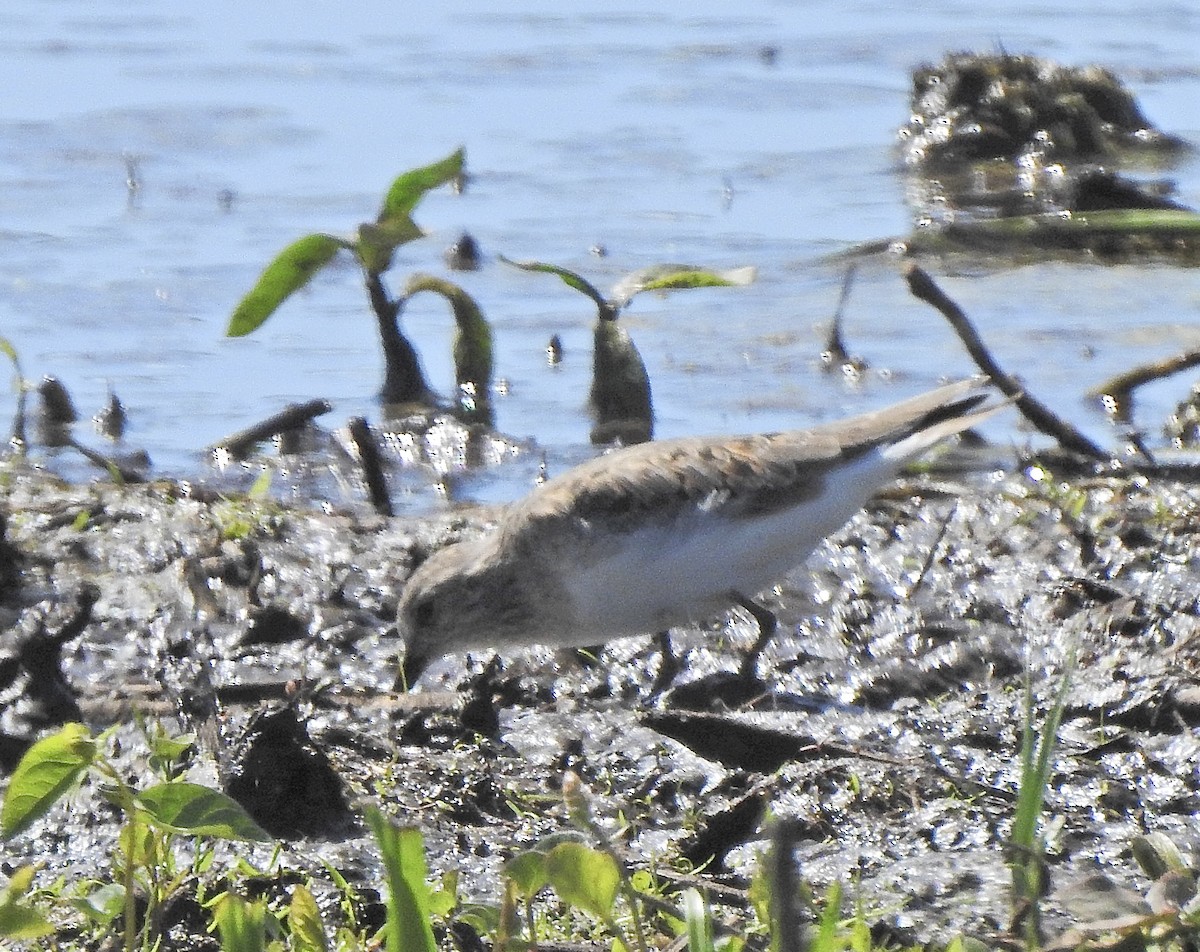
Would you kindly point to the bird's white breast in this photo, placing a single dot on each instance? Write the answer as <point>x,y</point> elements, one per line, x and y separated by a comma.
<point>686,567</point>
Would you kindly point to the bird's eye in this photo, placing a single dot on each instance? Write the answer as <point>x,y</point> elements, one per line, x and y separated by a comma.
<point>423,613</point>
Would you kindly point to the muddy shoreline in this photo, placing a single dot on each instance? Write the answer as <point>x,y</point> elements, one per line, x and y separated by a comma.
<point>887,725</point>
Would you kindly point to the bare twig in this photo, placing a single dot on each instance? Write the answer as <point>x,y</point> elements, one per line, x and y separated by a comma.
<point>118,470</point>
<point>932,554</point>
<point>291,417</point>
<point>923,287</point>
<point>1117,392</point>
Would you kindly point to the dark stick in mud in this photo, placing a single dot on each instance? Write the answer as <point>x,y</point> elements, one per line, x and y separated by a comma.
<point>372,466</point>
<point>118,470</point>
<point>923,287</point>
<point>291,417</point>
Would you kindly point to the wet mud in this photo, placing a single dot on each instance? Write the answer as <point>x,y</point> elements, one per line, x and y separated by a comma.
<point>885,726</point>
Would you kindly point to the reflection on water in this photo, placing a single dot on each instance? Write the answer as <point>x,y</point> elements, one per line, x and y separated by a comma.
<point>691,134</point>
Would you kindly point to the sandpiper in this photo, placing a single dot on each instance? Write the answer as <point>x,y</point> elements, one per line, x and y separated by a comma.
<point>661,534</point>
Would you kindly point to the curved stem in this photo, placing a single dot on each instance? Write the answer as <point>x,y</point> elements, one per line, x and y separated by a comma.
<point>403,380</point>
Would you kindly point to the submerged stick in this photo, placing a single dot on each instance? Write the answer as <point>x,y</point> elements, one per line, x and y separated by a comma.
<point>923,287</point>
<point>291,417</point>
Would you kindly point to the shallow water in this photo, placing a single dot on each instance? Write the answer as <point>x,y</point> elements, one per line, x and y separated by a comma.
<point>685,133</point>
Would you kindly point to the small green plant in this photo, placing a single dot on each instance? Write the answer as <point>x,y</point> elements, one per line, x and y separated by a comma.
<point>374,247</point>
<point>620,394</point>
<point>1027,848</point>
<point>586,873</point>
<point>145,861</point>
<point>249,515</point>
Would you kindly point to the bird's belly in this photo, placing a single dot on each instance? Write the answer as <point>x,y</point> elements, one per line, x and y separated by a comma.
<point>688,568</point>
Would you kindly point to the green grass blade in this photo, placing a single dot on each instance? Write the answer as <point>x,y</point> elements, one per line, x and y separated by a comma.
<point>10,352</point>
<point>291,270</point>
<point>47,771</point>
<point>1037,755</point>
<point>826,938</point>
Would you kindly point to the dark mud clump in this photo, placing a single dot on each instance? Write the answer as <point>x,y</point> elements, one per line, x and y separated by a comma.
<point>1008,153</point>
<point>974,107</point>
<point>886,730</point>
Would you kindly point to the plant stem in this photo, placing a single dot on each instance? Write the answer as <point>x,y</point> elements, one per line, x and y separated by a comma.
<point>403,380</point>
<point>130,897</point>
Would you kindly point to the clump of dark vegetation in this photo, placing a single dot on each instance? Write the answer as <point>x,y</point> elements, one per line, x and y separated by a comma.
<point>1012,154</point>
<point>980,106</point>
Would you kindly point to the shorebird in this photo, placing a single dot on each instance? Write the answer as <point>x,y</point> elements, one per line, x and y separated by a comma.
<point>665,533</point>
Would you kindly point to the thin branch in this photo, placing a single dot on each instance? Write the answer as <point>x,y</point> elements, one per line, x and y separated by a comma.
<point>1117,392</point>
<point>923,287</point>
<point>291,417</point>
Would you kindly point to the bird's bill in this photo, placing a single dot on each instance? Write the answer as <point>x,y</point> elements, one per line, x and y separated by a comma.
<point>412,666</point>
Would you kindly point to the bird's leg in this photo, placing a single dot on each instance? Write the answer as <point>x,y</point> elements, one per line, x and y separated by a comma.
<point>767,623</point>
<point>668,667</point>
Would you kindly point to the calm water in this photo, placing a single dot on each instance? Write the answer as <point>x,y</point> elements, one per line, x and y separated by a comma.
<point>670,135</point>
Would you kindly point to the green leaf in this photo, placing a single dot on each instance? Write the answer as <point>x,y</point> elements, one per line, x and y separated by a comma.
<point>49,768</point>
<point>378,242</point>
<point>584,877</point>
<point>193,808</point>
<point>261,487</point>
<point>291,270</point>
<point>242,925</point>
<point>19,921</point>
<point>10,351</point>
<point>408,928</point>
<point>527,871</point>
<point>166,752</point>
<point>19,883</point>
<point>102,905</point>
<point>23,922</point>
<point>304,923</point>
<point>408,190</point>
<point>607,310</point>
<point>671,277</point>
